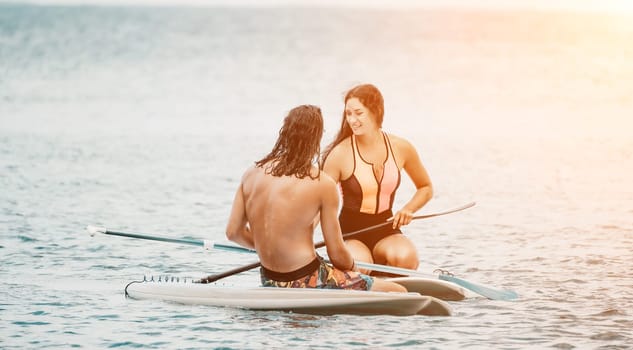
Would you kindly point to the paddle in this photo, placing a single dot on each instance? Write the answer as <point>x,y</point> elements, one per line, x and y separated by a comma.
<point>486,291</point>
<point>208,244</point>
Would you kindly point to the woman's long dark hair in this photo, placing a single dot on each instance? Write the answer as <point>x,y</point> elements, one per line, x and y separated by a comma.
<point>298,144</point>
<point>370,97</point>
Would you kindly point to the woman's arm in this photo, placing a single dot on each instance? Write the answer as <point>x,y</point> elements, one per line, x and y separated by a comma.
<point>412,165</point>
<point>332,167</point>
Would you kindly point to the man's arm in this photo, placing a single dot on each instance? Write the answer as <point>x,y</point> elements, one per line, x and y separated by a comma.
<point>237,229</point>
<point>336,249</point>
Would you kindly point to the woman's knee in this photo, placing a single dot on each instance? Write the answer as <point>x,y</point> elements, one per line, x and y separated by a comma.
<point>397,253</point>
<point>360,252</point>
<point>408,261</point>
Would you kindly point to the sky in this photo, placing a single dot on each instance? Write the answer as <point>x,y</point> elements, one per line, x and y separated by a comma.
<point>617,6</point>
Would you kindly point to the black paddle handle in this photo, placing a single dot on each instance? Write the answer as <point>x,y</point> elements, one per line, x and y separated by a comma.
<point>235,271</point>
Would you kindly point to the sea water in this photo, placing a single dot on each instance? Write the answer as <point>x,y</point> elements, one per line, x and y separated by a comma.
<point>143,118</point>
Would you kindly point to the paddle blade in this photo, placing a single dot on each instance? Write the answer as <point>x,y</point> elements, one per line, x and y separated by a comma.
<point>488,292</point>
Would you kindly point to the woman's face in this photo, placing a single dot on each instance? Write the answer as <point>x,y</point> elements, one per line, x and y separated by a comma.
<point>358,117</point>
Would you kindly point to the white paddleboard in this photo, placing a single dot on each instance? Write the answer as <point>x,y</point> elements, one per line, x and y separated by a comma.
<point>299,300</point>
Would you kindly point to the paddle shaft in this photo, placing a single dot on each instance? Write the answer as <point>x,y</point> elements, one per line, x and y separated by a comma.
<point>207,244</point>
<point>195,242</point>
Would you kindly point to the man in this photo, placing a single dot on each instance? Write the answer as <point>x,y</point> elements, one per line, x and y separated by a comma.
<point>276,207</point>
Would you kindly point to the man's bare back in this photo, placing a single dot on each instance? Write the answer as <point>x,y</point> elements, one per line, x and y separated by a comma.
<point>281,212</point>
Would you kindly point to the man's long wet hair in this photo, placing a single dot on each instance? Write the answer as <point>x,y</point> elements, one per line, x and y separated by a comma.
<point>372,99</point>
<point>298,144</point>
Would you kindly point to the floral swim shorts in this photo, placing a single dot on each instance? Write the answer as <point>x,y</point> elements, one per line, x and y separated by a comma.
<point>317,274</point>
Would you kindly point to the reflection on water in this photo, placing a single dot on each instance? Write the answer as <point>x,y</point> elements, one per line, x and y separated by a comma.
<point>281,320</point>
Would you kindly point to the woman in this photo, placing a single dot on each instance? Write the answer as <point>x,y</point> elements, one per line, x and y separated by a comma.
<point>366,162</point>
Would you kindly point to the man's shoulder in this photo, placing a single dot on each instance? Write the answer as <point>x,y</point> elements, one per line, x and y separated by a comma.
<point>251,172</point>
<point>326,179</point>
<point>325,182</point>
<point>318,178</point>
<point>251,169</point>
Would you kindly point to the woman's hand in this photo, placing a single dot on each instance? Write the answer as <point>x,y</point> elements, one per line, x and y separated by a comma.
<point>402,217</point>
